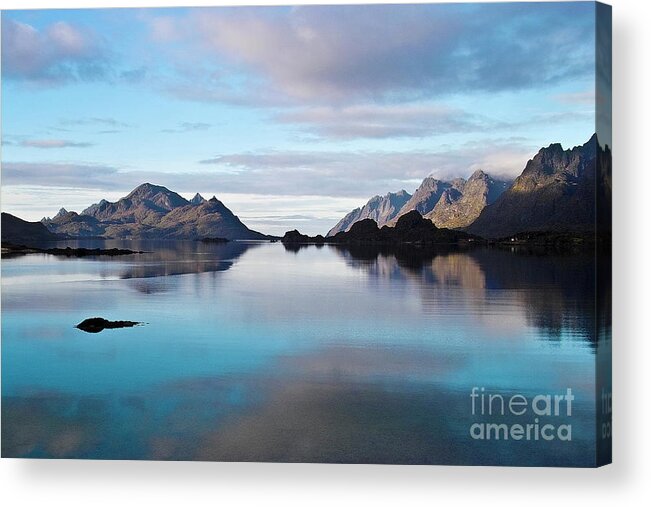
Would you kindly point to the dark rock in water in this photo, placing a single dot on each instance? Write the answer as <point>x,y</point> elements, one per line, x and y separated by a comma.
<point>296,237</point>
<point>97,324</point>
<point>89,252</point>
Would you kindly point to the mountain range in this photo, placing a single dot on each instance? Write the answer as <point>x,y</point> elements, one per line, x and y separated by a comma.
<point>448,204</point>
<point>381,209</point>
<point>556,191</point>
<point>153,212</point>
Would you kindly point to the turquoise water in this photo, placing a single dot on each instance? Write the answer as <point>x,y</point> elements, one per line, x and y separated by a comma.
<point>250,351</point>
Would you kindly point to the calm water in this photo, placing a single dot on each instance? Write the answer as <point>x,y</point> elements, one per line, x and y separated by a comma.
<point>254,352</point>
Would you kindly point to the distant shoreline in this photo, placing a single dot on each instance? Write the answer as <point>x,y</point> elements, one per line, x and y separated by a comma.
<point>10,249</point>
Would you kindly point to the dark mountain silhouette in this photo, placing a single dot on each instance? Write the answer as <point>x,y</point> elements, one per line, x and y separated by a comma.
<point>556,192</point>
<point>410,228</point>
<point>20,232</point>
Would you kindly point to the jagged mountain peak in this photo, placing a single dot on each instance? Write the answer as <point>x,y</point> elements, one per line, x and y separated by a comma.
<point>461,204</point>
<point>447,203</point>
<point>148,188</point>
<point>430,182</point>
<point>591,146</point>
<point>381,209</point>
<point>555,151</point>
<point>157,193</point>
<point>478,175</point>
<point>554,160</point>
<point>197,199</point>
<point>389,195</point>
<point>556,191</point>
<point>60,214</point>
<point>424,198</point>
<point>143,203</point>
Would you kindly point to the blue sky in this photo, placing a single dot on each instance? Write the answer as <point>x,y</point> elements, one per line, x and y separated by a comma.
<point>290,115</point>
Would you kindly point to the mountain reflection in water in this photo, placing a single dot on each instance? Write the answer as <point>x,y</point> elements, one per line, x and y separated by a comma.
<point>255,352</point>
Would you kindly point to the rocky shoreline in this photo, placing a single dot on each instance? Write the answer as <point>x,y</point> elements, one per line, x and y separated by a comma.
<point>9,249</point>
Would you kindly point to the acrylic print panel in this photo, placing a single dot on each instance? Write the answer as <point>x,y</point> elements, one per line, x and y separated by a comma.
<point>347,234</point>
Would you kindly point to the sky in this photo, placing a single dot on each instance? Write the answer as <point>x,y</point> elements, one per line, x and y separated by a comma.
<point>292,116</point>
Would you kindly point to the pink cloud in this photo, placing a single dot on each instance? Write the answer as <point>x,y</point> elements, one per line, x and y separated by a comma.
<point>53,143</point>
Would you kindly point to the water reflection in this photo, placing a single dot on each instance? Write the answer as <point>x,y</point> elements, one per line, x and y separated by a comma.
<point>333,405</point>
<point>556,291</point>
<point>158,258</point>
<point>50,425</point>
<point>319,354</point>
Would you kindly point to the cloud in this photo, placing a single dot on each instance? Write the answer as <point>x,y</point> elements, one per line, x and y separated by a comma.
<point>58,53</point>
<point>53,143</point>
<point>135,75</point>
<point>8,140</point>
<point>163,28</point>
<point>94,120</point>
<point>187,127</point>
<point>58,175</point>
<point>357,174</point>
<point>384,121</point>
<point>342,54</point>
<point>335,174</point>
<point>106,125</point>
